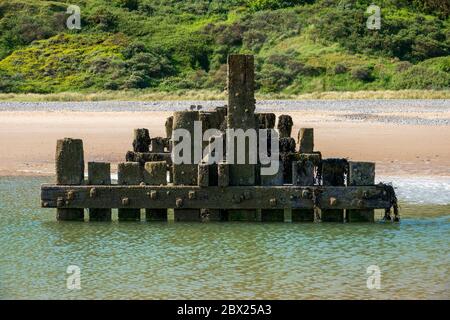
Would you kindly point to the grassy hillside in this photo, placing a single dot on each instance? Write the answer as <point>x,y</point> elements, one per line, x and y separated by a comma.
<point>301,46</point>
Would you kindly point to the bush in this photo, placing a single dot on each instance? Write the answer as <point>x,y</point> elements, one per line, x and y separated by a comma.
<point>111,85</point>
<point>363,74</point>
<point>104,19</point>
<point>136,81</point>
<point>441,7</point>
<point>273,79</point>
<point>132,49</point>
<point>254,39</point>
<point>275,4</point>
<point>100,65</point>
<point>340,68</point>
<point>419,77</point>
<point>129,4</point>
<point>403,66</point>
<point>403,34</point>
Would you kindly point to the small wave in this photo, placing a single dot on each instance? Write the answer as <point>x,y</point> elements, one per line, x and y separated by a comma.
<point>420,189</point>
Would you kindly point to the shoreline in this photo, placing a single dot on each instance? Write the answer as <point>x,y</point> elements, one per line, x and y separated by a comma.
<point>205,95</point>
<point>403,138</point>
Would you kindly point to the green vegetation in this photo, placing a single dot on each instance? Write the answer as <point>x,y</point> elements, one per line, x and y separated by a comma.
<point>147,46</point>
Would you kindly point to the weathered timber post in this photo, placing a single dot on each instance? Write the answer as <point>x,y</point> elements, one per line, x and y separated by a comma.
<point>266,120</point>
<point>129,173</point>
<point>169,125</point>
<point>333,174</point>
<point>212,120</point>
<point>204,174</point>
<point>223,173</point>
<point>287,214</point>
<point>223,181</point>
<point>222,116</point>
<point>287,152</point>
<point>157,144</point>
<point>303,175</point>
<point>141,142</point>
<point>361,174</point>
<point>284,126</point>
<point>155,174</point>
<point>241,115</point>
<point>99,173</point>
<point>306,140</point>
<point>69,171</point>
<point>303,169</point>
<point>272,180</point>
<point>186,173</point>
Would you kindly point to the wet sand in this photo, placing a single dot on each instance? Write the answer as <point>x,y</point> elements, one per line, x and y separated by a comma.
<point>28,138</point>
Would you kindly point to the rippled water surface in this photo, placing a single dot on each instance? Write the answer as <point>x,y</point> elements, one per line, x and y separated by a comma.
<point>218,260</point>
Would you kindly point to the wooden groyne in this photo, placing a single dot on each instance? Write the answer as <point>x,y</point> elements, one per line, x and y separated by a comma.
<point>306,187</point>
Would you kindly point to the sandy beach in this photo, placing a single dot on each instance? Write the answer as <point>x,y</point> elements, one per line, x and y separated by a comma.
<point>401,140</point>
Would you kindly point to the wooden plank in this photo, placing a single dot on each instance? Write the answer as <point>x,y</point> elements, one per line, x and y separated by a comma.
<point>194,197</point>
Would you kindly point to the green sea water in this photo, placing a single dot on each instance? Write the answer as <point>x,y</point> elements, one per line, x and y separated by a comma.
<point>217,260</point>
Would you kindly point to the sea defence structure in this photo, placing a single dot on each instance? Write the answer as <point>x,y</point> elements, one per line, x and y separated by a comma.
<point>305,187</point>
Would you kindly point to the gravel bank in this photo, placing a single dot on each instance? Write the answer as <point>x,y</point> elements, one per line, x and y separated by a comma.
<point>415,112</point>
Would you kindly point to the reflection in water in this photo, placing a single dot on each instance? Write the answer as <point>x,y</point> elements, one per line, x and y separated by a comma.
<point>217,260</point>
